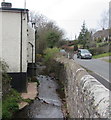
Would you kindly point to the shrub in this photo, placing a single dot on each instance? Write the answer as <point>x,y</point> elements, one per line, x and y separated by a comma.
<point>38,57</point>
<point>6,79</point>
<point>99,50</point>
<point>49,53</point>
<point>10,104</point>
<point>75,47</point>
<point>99,40</point>
<point>10,96</point>
<point>102,44</point>
<point>4,67</point>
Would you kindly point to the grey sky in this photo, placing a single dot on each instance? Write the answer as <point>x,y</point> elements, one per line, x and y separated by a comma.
<point>68,14</point>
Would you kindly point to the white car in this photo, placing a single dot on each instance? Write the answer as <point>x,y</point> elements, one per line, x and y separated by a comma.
<point>84,53</point>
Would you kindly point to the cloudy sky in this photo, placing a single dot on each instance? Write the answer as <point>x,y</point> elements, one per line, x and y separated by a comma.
<point>68,14</point>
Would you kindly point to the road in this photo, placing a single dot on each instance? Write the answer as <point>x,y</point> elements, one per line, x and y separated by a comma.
<point>98,66</point>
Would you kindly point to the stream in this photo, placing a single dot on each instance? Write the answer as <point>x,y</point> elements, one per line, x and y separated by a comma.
<point>47,104</point>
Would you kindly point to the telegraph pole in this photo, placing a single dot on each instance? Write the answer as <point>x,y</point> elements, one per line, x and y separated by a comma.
<point>24,4</point>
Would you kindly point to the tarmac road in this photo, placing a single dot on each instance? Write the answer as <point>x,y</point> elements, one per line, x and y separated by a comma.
<point>98,66</point>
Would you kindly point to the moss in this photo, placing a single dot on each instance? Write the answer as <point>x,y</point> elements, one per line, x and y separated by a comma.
<point>27,100</point>
<point>38,83</point>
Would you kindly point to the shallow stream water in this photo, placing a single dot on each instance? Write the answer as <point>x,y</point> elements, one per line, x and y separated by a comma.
<point>47,104</point>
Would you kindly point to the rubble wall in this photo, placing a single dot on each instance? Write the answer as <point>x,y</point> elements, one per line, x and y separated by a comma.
<point>85,96</point>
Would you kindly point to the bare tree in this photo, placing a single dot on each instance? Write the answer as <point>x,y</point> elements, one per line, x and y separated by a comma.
<point>39,19</point>
<point>104,21</point>
<point>92,30</point>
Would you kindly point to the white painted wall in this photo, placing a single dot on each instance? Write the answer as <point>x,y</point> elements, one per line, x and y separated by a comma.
<point>24,39</point>
<point>0,36</point>
<point>11,40</point>
<point>11,28</point>
<point>110,14</point>
<point>31,39</point>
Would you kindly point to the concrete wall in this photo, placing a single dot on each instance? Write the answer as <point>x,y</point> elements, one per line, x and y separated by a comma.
<point>85,96</point>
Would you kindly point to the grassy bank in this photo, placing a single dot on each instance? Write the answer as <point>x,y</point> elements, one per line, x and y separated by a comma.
<point>10,104</point>
<point>108,60</point>
<point>102,55</point>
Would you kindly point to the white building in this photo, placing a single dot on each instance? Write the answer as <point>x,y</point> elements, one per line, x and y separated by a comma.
<point>15,42</point>
<point>31,42</point>
<point>110,20</point>
<point>110,14</point>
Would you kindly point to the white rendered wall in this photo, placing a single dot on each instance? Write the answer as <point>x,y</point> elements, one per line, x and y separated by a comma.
<point>31,39</point>
<point>0,35</point>
<point>11,36</point>
<point>110,14</point>
<point>11,40</point>
<point>24,43</point>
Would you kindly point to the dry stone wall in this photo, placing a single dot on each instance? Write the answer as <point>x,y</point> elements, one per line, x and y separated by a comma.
<point>85,96</point>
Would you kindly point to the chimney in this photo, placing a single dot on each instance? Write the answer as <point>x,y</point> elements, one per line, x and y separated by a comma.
<point>33,24</point>
<point>6,5</point>
<point>103,28</point>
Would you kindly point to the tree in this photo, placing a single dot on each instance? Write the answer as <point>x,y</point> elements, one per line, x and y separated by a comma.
<point>84,36</point>
<point>54,34</point>
<point>52,39</point>
<point>75,45</point>
<point>48,33</point>
<point>104,21</point>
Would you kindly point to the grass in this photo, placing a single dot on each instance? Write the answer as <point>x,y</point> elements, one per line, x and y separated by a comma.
<point>102,55</point>
<point>27,100</point>
<point>108,60</point>
<point>10,104</point>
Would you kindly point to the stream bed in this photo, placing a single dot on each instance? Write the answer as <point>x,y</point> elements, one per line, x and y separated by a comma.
<point>47,104</point>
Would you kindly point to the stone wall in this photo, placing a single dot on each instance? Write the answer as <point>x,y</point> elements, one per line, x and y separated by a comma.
<point>85,96</point>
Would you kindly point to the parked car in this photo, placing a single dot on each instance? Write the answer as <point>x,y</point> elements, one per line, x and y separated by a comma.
<point>62,51</point>
<point>84,53</point>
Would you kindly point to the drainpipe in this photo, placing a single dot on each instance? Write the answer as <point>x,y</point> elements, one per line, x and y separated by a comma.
<point>35,46</point>
<point>21,45</point>
<point>32,57</point>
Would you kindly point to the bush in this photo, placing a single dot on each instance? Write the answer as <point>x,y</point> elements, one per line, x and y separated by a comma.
<point>102,44</point>
<point>49,53</point>
<point>38,57</point>
<point>10,104</point>
<point>6,79</point>
<point>99,40</point>
<point>99,50</point>
<point>75,47</point>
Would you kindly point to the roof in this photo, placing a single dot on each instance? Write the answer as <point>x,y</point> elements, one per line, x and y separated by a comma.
<point>13,9</point>
<point>101,33</point>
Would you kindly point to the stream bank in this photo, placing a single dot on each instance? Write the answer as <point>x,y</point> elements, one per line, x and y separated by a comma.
<point>48,104</point>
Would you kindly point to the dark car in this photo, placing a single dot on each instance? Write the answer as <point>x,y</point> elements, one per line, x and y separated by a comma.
<point>84,53</point>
